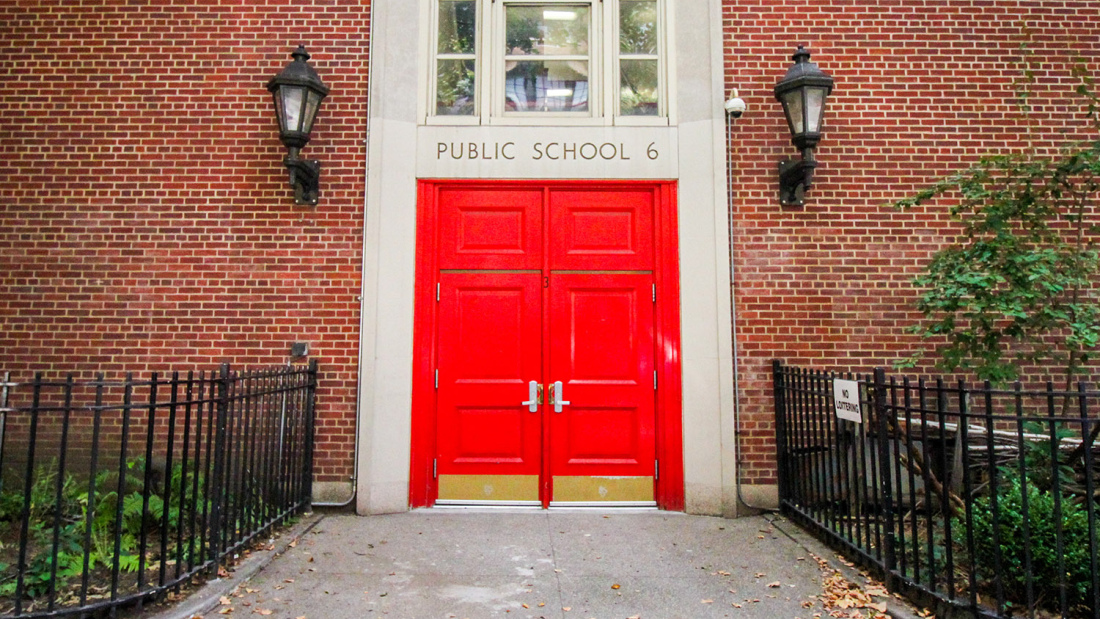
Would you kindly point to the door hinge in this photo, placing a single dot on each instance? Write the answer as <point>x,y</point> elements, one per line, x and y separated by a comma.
<point>437,292</point>
<point>437,378</point>
<point>654,379</point>
<point>435,468</point>
<point>656,469</point>
<point>654,293</point>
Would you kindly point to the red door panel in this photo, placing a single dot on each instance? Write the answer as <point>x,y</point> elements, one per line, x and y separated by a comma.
<point>608,230</point>
<point>490,343</point>
<point>490,229</point>
<point>601,349</point>
<point>546,282</point>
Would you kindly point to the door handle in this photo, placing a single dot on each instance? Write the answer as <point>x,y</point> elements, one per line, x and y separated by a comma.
<point>534,397</point>
<point>556,397</point>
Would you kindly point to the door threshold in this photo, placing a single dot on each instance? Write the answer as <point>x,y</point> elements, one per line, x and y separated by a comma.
<point>641,505</point>
<point>480,504</point>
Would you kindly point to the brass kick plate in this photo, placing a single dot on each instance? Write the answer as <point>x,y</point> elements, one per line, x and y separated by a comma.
<point>599,489</point>
<point>488,487</point>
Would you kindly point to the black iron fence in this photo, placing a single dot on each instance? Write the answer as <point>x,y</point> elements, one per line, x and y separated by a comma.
<point>113,492</point>
<point>967,498</point>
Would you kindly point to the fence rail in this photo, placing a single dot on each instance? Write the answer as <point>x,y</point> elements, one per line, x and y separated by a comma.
<point>964,497</point>
<point>113,492</point>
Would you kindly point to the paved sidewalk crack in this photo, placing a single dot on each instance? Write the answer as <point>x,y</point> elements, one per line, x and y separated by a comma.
<point>554,564</point>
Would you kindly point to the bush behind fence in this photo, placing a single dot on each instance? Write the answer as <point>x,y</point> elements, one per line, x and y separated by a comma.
<point>115,491</point>
<point>965,497</point>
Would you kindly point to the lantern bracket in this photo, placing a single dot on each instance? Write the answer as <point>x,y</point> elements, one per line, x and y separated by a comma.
<point>305,178</point>
<point>795,178</point>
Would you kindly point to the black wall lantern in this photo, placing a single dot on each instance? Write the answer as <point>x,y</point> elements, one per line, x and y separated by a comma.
<point>802,91</point>
<point>298,91</point>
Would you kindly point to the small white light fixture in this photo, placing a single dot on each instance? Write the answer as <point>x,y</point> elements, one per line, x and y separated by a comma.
<point>559,15</point>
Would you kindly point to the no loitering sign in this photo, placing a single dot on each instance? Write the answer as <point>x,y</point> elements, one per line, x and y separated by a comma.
<point>846,400</point>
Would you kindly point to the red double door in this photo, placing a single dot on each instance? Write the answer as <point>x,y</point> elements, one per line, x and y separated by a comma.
<point>544,336</point>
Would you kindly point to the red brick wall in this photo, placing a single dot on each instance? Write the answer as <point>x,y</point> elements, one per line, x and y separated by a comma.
<point>148,224</point>
<point>923,88</point>
<point>147,220</point>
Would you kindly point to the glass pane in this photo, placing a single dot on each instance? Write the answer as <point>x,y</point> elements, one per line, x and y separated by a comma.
<point>292,105</point>
<point>792,101</point>
<point>638,88</point>
<point>454,90</point>
<point>551,30</point>
<point>638,26</point>
<point>815,101</point>
<point>313,100</point>
<point>278,97</point>
<point>546,86</point>
<point>457,26</point>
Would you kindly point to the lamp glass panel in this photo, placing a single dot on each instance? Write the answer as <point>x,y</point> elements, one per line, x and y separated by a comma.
<point>456,88</point>
<point>292,107</point>
<point>792,105</point>
<point>815,105</point>
<point>457,26</point>
<point>546,86</point>
<point>313,101</point>
<point>638,26</point>
<point>638,88</point>
<point>546,30</point>
<point>278,97</point>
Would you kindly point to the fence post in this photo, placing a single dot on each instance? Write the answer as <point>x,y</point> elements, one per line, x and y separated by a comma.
<point>3,421</point>
<point>311,397</point>
<point>778,391</point>
<point>887,494</point>
<point>217,484</point>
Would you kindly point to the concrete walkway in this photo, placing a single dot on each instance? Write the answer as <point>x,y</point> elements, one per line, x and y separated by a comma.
<point>456,564</point>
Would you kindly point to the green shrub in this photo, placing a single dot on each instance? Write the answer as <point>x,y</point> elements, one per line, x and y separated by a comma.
<point>137,517</point>
<point>1042,521</point>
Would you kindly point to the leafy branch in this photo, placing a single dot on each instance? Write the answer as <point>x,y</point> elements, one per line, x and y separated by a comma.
<point>1020,284</point>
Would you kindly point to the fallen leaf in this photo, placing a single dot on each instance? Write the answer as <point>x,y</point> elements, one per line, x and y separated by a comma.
<point>567,608</point>
<point>774,585</point>
<point>614,586</point>
<point>225,601</point>
<point>263,611</point>
<point>708,601</point>
<point>759,575</point>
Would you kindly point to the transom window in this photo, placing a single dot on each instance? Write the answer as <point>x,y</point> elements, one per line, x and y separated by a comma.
<point>510,60</point>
